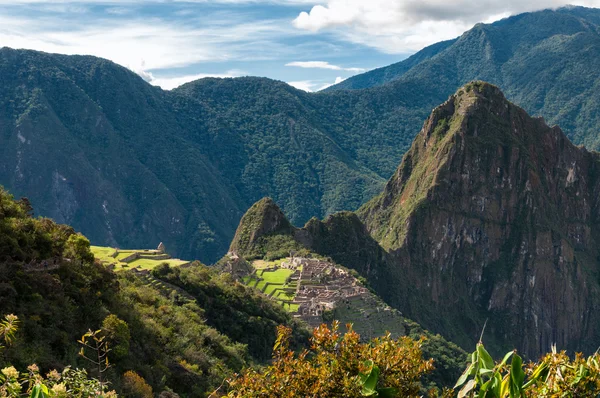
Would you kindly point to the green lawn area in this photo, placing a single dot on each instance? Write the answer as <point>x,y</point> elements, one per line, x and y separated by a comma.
<point>261,264</point>
<point>278,277</point>
<point>271,288</point>
<point>260,285</point>
<point>104,254</point>
<point>122,254</point>
<point>273,282</point>
<point>291,307</point>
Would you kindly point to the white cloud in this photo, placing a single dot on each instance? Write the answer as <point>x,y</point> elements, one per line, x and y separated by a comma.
<point>314,85</point>
<point>305,85</point>
<point>397,26</point>
<point>338,79</point>
<point>322,65</point>
<point>147,45</point>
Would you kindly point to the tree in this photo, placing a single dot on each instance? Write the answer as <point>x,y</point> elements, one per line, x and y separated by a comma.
<point>77,248</point>
<point>117,331</point>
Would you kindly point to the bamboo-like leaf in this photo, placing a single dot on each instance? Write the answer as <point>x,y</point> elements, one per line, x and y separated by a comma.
<point>466,389</point>
<point>517,376</point>
<point>485,359</point>
<point>464,376</point>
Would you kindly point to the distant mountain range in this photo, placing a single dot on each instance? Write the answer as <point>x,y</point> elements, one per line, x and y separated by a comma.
<point>93,145</point>
<point>492,217</point>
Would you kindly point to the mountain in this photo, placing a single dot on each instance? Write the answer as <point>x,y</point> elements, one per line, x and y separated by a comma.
<point>380,76</point>
<point>543,61</point>
<point>93,145</point>
<point>492,215</point>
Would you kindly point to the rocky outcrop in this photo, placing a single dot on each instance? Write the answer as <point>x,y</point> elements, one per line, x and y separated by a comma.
<point>492,215</point>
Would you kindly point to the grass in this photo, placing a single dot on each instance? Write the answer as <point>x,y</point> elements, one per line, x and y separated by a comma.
<point>104,255</point>
<point>273,282</point>
<point>262,264</point>
<point>122,254</point>
<point>291,307</point>
<point>276,277</point>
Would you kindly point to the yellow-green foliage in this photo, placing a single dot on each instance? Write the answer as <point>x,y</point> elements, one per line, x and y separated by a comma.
<point>106,255</point>
<point>337,366</point>
<point>135,386</point>
<point>68,383</point>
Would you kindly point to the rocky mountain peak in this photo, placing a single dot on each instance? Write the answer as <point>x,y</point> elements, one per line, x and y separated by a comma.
<point>496,210</point>
<point>264,218</point>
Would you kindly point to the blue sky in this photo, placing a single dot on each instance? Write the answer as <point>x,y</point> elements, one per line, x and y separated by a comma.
<point>307,43</point>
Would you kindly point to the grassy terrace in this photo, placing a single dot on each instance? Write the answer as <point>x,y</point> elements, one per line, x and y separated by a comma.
<point>273,282</point>
<point>106,256</point>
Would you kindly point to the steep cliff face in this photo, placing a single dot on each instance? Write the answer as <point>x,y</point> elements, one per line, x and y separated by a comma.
<point>492,214</point>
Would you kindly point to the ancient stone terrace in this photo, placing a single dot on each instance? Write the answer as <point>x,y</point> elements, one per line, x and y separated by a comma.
<point>321,286</point>
<point>317,291</point>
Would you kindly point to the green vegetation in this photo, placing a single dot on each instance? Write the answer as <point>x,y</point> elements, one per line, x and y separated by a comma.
<point>70,382</point>
<point>338,366</point>
<point>181,330</point>
<point>106,255</point>
<point>274,283</point>
<point>555,375</point>
<point>343,366</point>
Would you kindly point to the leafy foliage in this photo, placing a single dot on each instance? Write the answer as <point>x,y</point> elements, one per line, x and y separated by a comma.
<point>163,334</point>
<point>72,383</point>
<point>338,366</point>
<point>233,309</point>
<point>135,386</point>
<point>555,375</point>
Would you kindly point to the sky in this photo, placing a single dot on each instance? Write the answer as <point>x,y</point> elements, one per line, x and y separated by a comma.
<point>309,44</point>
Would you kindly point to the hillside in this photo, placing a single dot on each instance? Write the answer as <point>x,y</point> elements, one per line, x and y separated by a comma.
<point>180,329</point>
<point>491,215</point>
<point>130,165</point>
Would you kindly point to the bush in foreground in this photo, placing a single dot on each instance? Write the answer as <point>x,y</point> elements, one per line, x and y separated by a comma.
<point>338,366</point>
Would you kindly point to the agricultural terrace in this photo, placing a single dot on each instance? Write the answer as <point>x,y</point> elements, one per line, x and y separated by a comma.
<point>275,282</point>
<point>144,259</point>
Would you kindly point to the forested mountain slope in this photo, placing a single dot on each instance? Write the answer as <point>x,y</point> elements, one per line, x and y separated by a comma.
<point>545,61</point>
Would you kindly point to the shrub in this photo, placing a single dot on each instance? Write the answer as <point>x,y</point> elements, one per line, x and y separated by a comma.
<point>135,386</point>
<point>337,366</point>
